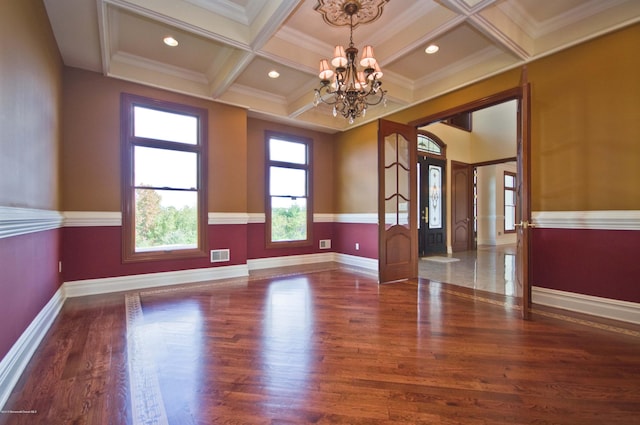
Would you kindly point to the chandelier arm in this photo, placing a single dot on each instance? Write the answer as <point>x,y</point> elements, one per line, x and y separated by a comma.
<point>372,99</point>
<point>325,90</point>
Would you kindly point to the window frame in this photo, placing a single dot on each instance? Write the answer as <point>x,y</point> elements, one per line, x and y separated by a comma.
<point>128,143</point>
<point>506,188</point>
<point>308,167</point>
<point>438,141</point>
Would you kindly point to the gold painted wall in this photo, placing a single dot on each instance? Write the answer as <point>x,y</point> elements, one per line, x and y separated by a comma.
<point>356,170</point>
<point>91,147</point>
<point>322,164</point>
<point>30,93</point>
<point>586,126</point>
<point>585,135</point>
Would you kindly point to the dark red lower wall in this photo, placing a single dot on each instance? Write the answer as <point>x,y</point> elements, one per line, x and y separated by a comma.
<point>256,242</point>
<point>28,280</point>
<point>602,263</point>
<point>96,252</point>
<point>364,234</point>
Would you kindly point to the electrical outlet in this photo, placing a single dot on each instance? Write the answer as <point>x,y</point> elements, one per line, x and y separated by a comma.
<point>357,246</point>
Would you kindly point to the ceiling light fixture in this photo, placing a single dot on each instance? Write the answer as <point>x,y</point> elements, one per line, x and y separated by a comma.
<point>431,49</point>
<point>273,74</point>
<point>170,41</point>
<point>344,87</point>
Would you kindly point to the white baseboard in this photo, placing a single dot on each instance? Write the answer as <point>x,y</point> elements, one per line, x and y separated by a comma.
<point>81,288</point>
<point>290,260</point>
<point>595,306</point>
<point>355,261</point>
<point>13,364</point>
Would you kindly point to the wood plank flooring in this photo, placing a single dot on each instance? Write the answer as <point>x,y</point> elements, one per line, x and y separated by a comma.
<point>326,346</point>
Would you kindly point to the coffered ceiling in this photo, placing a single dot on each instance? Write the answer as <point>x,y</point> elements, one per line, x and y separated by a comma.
<point>227,47</point>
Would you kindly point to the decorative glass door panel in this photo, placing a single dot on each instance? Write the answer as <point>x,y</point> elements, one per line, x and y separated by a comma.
<point>435,197</point>
<point>397,207</point>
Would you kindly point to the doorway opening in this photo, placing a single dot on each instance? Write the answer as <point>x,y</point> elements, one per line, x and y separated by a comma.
<point>482,144</point>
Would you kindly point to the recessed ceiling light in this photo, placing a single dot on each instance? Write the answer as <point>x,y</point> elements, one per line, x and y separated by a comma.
<point>431,49</point>
<point>170,41</point>
<point>274,74</point>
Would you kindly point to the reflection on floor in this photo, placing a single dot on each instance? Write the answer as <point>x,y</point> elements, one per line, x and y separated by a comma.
<point>489,268</point>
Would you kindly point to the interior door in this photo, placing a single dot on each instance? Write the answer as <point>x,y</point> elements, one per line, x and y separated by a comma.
<point>461,207</point>
<point>397,206</point>
<point>523,206</point>
<point>432,236</point>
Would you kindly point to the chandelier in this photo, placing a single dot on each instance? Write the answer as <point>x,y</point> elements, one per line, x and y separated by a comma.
<point>350,90</point>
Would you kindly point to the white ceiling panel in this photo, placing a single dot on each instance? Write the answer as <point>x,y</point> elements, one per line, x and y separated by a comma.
<point>228,46</point>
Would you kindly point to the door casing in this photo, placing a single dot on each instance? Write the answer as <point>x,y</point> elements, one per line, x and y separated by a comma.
<point>522,94</point>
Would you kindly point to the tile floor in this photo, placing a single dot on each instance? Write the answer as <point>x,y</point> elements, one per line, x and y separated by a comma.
<point>489,268</point>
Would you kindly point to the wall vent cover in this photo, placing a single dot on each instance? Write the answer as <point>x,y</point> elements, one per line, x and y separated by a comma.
<point>325,243</point>
<point>219,255</point>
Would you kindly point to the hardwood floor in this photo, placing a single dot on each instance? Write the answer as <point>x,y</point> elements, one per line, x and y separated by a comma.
<point>326,346</point>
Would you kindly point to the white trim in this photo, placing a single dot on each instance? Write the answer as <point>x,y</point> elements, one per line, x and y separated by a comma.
<point>13,364</point>
<point>363,218</point>
<point>290,260</point>
<point>80,288</point>
<point>595,306</point>
<point>92,218</point>
<point>603,220</point>
<point>363,262</point>
<point>323,218</point>
<point>228,218</point>
<point>257,218</point>
<point>20,221</point>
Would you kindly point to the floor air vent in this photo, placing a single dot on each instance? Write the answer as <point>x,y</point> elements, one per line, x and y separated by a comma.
<point>219,255</point>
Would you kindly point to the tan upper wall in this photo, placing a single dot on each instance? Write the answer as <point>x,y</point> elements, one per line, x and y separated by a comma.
<point>586,126</point>
<point>30,95</point>
<point>585,129</point>
<point>322,164</point>
<point>356,170</point>
<point>91,147</point>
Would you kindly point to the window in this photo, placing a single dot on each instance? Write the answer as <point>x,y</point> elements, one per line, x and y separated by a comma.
<point>288,201</point>
<point>164,174</point>
<point>509,202</point>
<point>431,145</point>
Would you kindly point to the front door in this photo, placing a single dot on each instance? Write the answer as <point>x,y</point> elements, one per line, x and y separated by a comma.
<point>432,235</point>
<point>397,206</point>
